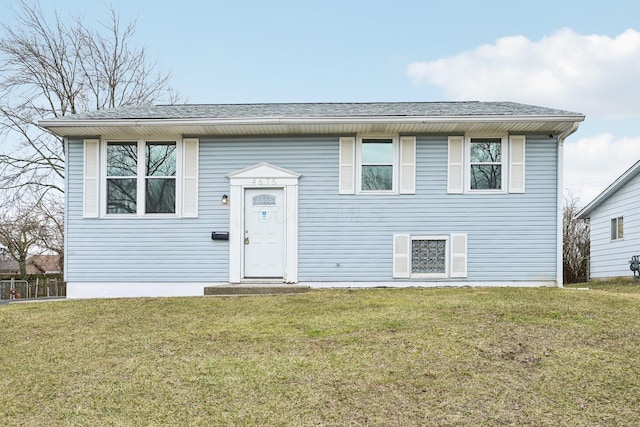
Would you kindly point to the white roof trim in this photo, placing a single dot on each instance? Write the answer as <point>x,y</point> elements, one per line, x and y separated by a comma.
<point>305,120</point>
<point>609,191</point>
<point>263,169</point>
<point>306,125</point>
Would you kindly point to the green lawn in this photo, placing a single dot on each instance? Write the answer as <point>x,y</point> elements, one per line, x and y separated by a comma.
<point>377,357</point>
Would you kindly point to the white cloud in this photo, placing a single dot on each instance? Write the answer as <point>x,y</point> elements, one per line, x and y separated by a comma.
<point>591,74</point>
<point>593,163</point>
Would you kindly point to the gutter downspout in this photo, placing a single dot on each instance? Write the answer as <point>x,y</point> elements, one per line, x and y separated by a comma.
<point>65,237</point>
<point>560,207</point>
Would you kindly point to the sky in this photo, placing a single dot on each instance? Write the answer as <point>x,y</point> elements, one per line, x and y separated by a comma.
<point>581,56</point>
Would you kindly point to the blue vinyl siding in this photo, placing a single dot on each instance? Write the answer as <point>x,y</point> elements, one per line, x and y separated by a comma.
<point>144,249</point>
<point>511,237</point>
<point>610,258</point>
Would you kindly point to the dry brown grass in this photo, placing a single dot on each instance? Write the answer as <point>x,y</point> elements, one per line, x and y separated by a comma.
<point>378,357</point>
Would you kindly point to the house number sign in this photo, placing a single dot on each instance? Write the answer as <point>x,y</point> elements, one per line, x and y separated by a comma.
<point>263,181</point>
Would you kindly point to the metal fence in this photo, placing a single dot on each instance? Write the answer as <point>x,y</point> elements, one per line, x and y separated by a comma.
<point>37,288</point>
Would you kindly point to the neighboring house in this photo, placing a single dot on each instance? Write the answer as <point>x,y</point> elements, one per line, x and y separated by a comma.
<point>166,200</point>
<point>9,267</point>
<point>43,264</point>
<point>36,264</point>
<point>614,226</point>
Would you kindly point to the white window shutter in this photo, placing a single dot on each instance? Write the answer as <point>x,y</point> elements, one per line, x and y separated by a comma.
<point>91,190</point>
<point>407,165</point>
<point>516,163</point>
<point>401,256</point>
<point>455,171</point>
<point>347,165</point>
<point>458,255</point>
<point>190,176</point>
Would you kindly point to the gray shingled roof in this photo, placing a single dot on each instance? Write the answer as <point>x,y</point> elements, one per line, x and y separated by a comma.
<point>316,118</point>
<point>301,110</point>
<point>616,185</point>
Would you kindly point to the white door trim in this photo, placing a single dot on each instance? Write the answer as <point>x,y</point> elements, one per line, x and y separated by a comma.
<point>263,175</point>
<point>264,223</point>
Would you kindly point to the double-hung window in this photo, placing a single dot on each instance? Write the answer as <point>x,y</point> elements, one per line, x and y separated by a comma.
<point>141,177</point>
<point>617,228</point>
<point>122,182</point>
<point>136,178</point>
<point>160,177</point>
<point>377,165</point>
<point>486,164</point>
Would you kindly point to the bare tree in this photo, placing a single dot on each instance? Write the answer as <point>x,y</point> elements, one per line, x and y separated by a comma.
<point>51,67</point>
<point>50,214</point>
<point>576,239</point>
<point>21,228</point>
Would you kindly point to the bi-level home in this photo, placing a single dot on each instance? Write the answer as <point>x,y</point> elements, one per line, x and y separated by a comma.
<point>168,200</point>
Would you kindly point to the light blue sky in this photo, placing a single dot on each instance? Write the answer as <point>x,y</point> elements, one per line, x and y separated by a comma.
<point>561,54</point>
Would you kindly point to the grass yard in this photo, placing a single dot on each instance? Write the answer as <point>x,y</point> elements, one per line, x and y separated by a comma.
<point>376,357</point>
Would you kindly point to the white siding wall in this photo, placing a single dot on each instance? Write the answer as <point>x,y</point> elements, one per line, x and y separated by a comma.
<point>610,258</point>
<point>342,237</point>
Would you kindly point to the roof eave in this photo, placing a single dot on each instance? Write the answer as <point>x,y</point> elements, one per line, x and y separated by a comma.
<point>609,191</point>
<point>62,127</point>
<point>302,120</point>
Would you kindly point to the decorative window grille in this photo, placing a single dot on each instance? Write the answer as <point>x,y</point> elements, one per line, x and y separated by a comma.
<point>263,200</point>
<point>428,256</point>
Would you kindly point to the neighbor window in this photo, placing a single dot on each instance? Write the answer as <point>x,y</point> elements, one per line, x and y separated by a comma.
<point>376,164</point>
<point>485,163</point>
<point>141,177</point>
<point>617,228</point>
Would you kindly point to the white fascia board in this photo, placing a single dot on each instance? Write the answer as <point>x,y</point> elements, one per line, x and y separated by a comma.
<point>283,125</point>
<point>610,190</point>
<point>51,124</point>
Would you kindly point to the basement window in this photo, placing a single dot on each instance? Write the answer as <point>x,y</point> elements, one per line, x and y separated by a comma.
<point>429,256</point>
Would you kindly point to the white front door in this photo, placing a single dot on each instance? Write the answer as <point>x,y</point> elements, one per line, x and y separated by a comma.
<point>264,225</point>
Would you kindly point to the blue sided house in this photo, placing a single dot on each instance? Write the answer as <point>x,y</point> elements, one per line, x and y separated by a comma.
<point>168,200</point>
<point>613,227</point>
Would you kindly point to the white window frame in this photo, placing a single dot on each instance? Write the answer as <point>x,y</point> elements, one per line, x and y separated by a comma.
<point>141,177</point>
<point>395,176</point>
<point>617,220</point>
<point>504,163</point>
<point>447,254</point>
<point>456,251</point>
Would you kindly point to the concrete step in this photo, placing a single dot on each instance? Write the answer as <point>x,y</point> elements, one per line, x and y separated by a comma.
<point>255,289</point>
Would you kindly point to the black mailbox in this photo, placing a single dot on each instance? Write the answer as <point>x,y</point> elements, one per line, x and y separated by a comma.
<point>219,235</point>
